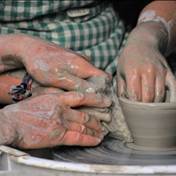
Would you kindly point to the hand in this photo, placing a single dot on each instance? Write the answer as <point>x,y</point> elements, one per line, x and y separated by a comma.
<point>54,66</point>
<point>48,63</point>
<point>49,120</point>
<point>14,78</point>
<point>143,73</point>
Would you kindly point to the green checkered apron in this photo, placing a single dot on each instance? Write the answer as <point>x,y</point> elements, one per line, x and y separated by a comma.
<point>86,26</point>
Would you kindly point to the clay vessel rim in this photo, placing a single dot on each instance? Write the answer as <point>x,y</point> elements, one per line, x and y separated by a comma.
<point>150,105</point>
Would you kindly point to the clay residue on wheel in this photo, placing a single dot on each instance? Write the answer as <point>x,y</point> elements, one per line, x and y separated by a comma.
<point>113,152</point>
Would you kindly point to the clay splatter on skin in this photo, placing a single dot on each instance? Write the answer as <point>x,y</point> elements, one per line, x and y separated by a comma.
<point>55,133</point>
<point>90,90</point>
<point>39,64</point>
<point>72,67</point>
<point>155,67</point>
<point>150,15</point>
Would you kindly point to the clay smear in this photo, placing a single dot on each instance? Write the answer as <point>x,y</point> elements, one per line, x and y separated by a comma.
<point>150,15</point>
<point>39,64</point>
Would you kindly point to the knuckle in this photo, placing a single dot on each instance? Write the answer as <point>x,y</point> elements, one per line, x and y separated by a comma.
<point>80,97</point>
<point>132,72</point>
<point>150,68</point>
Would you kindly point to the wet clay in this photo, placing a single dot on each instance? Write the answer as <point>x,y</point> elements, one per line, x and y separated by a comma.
<point>117,126</point>
<point>153,125</point>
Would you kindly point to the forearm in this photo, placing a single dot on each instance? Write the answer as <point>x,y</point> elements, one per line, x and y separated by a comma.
<point>13,49</point>
<point>163,14</point>
<point>7,82</point>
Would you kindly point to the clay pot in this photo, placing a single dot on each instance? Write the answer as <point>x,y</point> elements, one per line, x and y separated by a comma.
<point>153,125</point>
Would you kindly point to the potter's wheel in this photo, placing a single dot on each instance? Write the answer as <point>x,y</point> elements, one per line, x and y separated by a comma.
<point>113,152</point>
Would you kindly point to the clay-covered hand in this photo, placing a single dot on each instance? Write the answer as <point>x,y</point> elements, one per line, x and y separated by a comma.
<point>142,73</point>
<point>50,120</point>
<point>48,63</point>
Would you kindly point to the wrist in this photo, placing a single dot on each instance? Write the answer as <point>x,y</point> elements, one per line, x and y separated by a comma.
<point>150,33</point>
<point>9,46</point>
<point>30,46</point>
<point>7,129</point>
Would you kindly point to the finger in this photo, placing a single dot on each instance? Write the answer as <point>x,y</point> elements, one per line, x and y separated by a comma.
<point>134,91</point>
<point>76,116</point>
<point>101,83</point>
<point>82,118</point>
<point>75,99</point>
<point>101,110</point>
<point>93,123</point>
<point>76,138</point>
<point>78,66</point>
<point>148,86</point>
<point>120,86</point>
<point>45,90</point>
<point>70,82</point>
<point>72,126</point>
<point>160,87</point>
<point>171,83</point>
<point>101,116</point>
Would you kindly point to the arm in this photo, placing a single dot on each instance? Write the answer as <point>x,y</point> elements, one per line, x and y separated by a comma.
<point>6,84</point>
<point>48,63</point>
<point>143,71</point>
<point>163,13</point>
<point>11,52</point>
